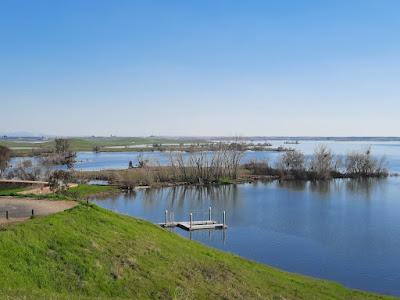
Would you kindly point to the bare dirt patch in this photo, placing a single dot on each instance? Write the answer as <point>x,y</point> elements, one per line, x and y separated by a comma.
<point>20,209</point>
<point>43,190</point>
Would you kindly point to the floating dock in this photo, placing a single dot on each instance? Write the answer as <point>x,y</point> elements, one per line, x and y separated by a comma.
<point>198,225</point>
<point>195,225</point>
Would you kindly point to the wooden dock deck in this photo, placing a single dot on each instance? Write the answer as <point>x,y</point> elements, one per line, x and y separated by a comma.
<point>195,225</point>
<point>198,225</point>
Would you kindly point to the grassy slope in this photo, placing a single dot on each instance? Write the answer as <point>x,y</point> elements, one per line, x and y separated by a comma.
<point>82,191</point>
<point>91,252</point>
<point>85,190</point>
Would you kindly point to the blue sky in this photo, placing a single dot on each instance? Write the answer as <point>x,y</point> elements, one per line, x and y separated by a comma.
<point>215,67</point>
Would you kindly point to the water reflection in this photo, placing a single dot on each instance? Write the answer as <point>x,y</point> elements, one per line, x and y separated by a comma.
<point>228,196</point>
<point>345,230</point>
<point>363,187</point>
<point>296,185</point>
<point>366,186</point>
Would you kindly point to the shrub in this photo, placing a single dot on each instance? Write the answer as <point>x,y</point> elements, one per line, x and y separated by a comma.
<point>292,161</point>
<point>360,164</point>
<point>260,168</point>
<point>5,156</point>
<point>322,163</point>
<point>59,181</point>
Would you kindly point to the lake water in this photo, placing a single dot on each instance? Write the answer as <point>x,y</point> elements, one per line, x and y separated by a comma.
<point>343,230</point>
<point>120,160</point>
<point>89,161</point>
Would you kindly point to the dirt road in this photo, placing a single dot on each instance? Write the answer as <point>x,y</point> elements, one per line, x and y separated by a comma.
<point>20,209</point>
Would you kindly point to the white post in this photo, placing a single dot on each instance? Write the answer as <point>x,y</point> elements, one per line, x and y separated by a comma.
<point>224,218</point>
<point>190,219</point>
<point>166,217</point>
<point>209,213</point>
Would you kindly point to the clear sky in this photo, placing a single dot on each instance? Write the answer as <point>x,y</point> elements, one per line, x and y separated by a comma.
<point>201,67</point>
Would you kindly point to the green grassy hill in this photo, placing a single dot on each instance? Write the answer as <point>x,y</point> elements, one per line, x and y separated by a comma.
<point>91,252</point>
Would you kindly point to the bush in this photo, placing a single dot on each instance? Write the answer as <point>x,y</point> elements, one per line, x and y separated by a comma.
<point>322,163</point>
<point>5,156</point>
<point>28,170</point>
<point>260,168</point>
<point>362,164</point>
<point>292,161</point>
<point>59,181</point>
<point>62,154</point>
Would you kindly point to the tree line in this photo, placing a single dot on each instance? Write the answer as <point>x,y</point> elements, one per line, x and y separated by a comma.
<point>322,165</point>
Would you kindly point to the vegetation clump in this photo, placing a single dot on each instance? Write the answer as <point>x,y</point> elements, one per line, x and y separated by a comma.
<point>322,165</point>
<point>59,181</point>
<point>61,155</point>
<point>362,164</point>
<point>5,156</point>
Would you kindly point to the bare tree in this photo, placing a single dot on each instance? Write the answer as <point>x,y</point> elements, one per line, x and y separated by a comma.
<point>62,146</point>
<point>62,155</point>
<point>206,167</point>
<point>292,161</point>
<point>322,162</point>
<point>363,164</point>
<point>5,156</point>
<point>59,181</point>
<point>28,170</point>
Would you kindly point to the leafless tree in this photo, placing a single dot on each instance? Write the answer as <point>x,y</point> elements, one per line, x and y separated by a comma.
<point>292,161</point>
<point>5,156</point>
<point>27,170</point>
<point>206,167</point>
<point>59,181</point>
<point>363,164</point>
<point>322,162</point>
<point>62,155</point>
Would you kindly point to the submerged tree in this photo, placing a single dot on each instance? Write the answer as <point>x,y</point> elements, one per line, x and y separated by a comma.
<point>292,161</point>
<point>62,154</point>
<point>322,163</point>
<point>363,164</point>
<point>29,170</point>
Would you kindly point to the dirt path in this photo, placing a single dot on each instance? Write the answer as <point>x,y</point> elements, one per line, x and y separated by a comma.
<point>20,209</point>
<point>43,190</point>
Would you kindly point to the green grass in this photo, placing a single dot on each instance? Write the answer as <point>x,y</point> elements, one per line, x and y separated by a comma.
<point>88,252</point>
<point>11,190</point>
<point>87,144</point>
<point>85,190</point>
<point>82,191</point>
<point>7,190</point>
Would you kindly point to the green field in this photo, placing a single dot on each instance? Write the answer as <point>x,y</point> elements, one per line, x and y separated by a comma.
<point>89,252</point>
<point>84,190</point>
<point>87,144</point>
<point>6,191</point>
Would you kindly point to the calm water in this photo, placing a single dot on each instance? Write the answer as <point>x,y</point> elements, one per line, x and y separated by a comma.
<point>120,160</point>
<point>342,230</point>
